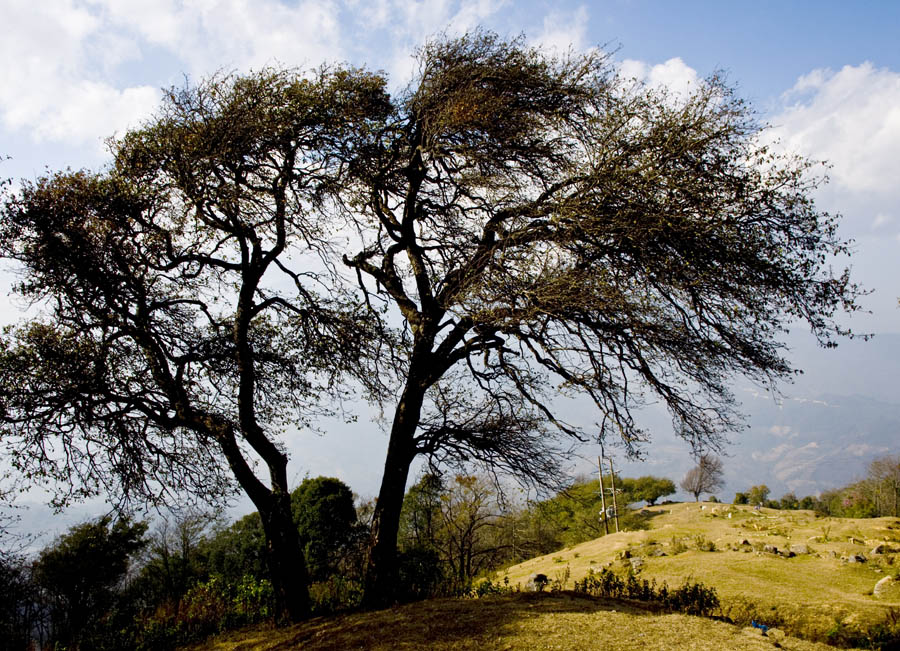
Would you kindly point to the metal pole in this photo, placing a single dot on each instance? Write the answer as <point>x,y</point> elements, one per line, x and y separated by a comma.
<point>602,495</point>
<point>612,479</point>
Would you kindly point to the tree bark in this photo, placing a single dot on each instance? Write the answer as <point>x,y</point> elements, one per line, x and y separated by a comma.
<point>284,557</point>
<point>381,570</point>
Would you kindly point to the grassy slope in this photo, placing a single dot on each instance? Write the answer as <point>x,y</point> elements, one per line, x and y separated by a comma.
<point>808,592</point>
<point>814,590</point>
<point>521,621</point>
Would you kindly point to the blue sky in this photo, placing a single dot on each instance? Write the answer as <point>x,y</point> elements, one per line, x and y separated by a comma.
<point>826,75</point>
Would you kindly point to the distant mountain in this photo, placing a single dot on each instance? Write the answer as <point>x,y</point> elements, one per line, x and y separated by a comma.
<point>843,411</point>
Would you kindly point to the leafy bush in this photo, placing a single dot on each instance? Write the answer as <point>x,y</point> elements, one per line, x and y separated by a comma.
<point>678,546</point>
<point>690,598</point>
<point>491,587</point>
<point>703,544</point>
<point>209,607</point>
<point>335,594</point>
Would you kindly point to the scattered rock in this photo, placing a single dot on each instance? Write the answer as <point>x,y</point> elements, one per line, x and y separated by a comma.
<point>881,548</point>
<point>776,634</point>
<point>637,564</point>
<point>833,553</point>
<point>800,548</point>
<point>658,552</point>
<point>745,542</point>
<point>883,586</point>
<point>787,553</point>
<point>887,588</point>
<point>856,558</point>
<point>772,549</point>
<point>855,541</point>
<point>624,554</point>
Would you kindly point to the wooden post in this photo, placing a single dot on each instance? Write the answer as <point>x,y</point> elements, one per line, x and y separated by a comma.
<point>602,494</point>
<point>612,479</point>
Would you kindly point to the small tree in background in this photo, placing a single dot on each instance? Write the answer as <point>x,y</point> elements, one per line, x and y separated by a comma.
<point>326,518</point>
<point>758,494</point>
<point>789,502</point>
<point>651,488</point>
<point>705,477</point>
<point>80,574</point>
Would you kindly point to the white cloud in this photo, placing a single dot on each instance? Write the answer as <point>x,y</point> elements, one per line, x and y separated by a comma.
<point>782,431</point>
<point>564,31</point>
<point>51,85</point>
<point>850,118</point>
<point>62,57</point>
<point>674,75</point>
<point>211,34</point>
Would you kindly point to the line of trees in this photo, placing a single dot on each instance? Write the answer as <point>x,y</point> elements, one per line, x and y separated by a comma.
<point>115,584</point>
<point>111,583</point>
<point>877,495</point>
<point>512,225</point>
<point>454,529</point>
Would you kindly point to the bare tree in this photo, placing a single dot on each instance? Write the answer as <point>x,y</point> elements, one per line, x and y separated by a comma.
<point>884,482</point>
<point>705,477</point>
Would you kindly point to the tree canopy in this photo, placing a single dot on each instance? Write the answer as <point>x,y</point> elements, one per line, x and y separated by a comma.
<point>542,225</point>
<point>519,226</point>
<point>180,323</point>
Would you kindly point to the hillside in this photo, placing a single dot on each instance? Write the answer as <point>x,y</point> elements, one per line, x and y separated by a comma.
<point>522,621</point>
<point>816,594</point>
<point>822,587</point>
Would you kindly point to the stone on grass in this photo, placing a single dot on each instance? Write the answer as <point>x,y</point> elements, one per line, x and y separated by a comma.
<point>887,588</point>
<point>800,548</point>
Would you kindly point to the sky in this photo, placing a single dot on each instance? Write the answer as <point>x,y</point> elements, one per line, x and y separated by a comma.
<point>825,75</point>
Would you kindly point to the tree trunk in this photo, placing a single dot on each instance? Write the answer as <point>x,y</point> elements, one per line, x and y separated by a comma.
<point>284,557</point>
<point>381,570</point>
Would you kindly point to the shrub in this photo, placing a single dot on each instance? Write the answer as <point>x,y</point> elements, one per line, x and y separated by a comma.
<point>678,546</point>
<point>690,598</point>
<point>540,582</point>
<point>703,544</point>
<point>335,594</point>
<point>207,608</point>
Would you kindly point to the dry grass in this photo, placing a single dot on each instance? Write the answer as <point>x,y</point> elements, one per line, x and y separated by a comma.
<point>811,592</point>
<point>518,621</point>
<point>807,595</point>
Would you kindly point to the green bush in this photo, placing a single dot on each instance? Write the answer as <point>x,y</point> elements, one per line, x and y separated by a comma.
<point>690,598</point>
<point>207,608</point>
<point>335,594</point>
